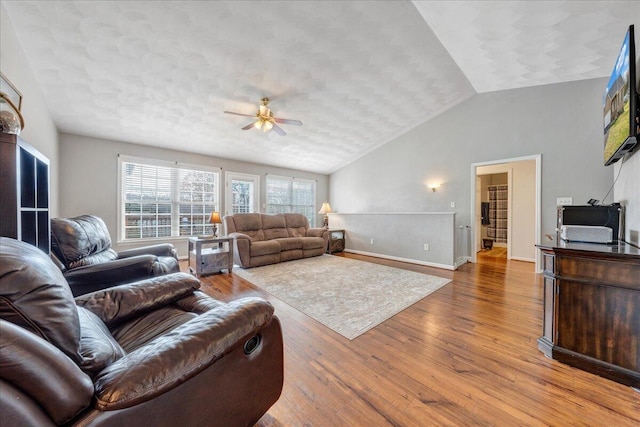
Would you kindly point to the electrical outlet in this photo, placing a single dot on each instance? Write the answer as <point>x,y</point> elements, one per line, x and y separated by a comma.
<point>426,246</point>
<point>371,242</point>
<point>563,201</point>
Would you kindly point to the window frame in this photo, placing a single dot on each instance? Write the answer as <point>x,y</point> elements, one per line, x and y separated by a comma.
<point>174,199</point>
<point>313,219</point>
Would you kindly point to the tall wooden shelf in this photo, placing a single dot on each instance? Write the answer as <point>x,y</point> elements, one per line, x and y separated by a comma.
<point>24,192</point>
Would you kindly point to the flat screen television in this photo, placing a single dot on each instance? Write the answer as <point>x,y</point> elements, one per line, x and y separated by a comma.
<point>620,104</point>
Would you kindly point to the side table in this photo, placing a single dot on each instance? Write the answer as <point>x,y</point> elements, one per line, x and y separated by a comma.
<point>336,241</point>
<point>210,255</point>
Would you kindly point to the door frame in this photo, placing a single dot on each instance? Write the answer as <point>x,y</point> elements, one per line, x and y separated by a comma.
<point>228,198</point>
<point>538,200</point>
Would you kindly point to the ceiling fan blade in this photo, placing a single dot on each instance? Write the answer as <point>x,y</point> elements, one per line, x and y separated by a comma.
<point>249,126</point>
<point>279,130</point>
<point>288,121</point>
<point>240,114</point>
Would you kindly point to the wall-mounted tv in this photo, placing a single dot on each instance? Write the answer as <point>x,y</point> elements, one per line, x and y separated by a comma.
<point>620,103</point>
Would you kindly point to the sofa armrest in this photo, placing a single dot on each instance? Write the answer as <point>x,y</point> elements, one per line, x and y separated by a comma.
<point>162,249</point>
<point>319,232</point>
<point>90,278</point>
<point>120,303</point>
<point>174,358</point>
<point>43,372</point>
<point>316,232</point>
<point>237,236</point>
<point>242,249</point>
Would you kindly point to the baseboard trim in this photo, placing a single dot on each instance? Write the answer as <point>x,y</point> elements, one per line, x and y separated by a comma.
<point>409,260</point>
<point>518,258</point>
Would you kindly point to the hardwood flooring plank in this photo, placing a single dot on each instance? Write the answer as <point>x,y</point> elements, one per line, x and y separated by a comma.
<point>464,355</point>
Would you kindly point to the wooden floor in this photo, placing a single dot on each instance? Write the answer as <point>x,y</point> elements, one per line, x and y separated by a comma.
<point>464,355</point>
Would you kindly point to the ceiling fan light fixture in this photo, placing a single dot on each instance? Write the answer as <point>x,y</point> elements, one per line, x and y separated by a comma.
<point>258,124</point>
<point>267,126</point>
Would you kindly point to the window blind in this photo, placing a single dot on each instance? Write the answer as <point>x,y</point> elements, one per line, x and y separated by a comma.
<point>163,199</point>
<point>288,194</point>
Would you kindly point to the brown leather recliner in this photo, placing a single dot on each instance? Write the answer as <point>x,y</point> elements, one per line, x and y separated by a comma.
<point>81,247</point>
<point>157,352</point>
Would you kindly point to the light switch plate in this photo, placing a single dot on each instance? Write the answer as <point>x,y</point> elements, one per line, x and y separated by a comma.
<point>563,201</point>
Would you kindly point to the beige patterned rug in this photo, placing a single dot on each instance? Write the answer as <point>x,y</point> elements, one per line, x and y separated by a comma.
<point>347,295</point>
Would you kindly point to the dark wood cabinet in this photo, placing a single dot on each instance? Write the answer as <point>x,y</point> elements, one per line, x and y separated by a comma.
<point>24,192</point>
<point>336,241</point>
<point>592,308</point>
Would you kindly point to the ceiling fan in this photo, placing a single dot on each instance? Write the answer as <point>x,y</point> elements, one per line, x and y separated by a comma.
<point>265,119</point>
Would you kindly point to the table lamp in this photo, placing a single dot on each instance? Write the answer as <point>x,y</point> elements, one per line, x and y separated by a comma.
<point>215,219</point>
<point>324,210</point>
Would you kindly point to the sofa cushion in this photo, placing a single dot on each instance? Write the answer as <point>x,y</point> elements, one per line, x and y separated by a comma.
<point>274,227</point>
<point>98,348</point>
<point>267,247</point>
<point>35,296</point>
<point>82,240</point>
<point>297,224</point>
<point>249,224</point>
<point>290,243</point>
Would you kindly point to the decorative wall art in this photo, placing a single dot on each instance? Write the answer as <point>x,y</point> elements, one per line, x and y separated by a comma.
<point>11,120</point>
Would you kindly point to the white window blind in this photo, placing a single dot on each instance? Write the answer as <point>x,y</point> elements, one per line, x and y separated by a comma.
<point>288,194</point>
<point>163,199</point>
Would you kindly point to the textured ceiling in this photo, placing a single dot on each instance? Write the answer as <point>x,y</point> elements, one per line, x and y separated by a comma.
<point>356,73</point>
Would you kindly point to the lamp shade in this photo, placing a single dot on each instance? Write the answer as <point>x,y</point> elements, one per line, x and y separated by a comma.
<point>325,209</point>
<point>215,218</point>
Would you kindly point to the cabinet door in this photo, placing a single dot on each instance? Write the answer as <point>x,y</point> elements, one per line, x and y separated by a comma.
<point>600,322</point>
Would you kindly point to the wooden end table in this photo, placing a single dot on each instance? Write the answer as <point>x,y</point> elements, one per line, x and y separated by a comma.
<point>210,255</point>
<point>336,241</point>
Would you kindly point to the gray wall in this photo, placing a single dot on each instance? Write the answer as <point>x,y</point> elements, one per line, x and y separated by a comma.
<point>562,122</point>
<point>89,174</point>
<point>401,236</point>
<point>39,130</point>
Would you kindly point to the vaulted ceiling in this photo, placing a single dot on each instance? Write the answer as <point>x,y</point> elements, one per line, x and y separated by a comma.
<point>356,73</point>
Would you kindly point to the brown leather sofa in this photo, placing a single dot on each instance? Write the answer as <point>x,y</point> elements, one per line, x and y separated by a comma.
<point>157,352</point>
<point>262,239</point>
<point>81,247</point>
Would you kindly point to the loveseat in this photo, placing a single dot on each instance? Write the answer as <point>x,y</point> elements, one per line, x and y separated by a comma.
<point>157,352</point>
<point>81,247</point>
<point>262,239</point>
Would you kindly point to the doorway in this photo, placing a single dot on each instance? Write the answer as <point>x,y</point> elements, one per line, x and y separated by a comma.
<point>493,229</point>
<point>522,206</point>
<point>242,193</point>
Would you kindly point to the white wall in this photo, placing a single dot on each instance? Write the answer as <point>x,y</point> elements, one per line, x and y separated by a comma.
<point>39,130</point>
<point>89,175</point>
<point>562,122</point>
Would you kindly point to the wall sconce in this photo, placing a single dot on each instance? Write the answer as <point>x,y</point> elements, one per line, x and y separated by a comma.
<point>434,187</point>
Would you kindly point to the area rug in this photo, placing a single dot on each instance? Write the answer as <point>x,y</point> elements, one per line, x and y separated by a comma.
<point>346,295</point>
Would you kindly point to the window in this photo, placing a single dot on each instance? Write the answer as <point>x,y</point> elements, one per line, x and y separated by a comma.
<point>296,195</point>
<point>165,199</point>
<point>242,194</point>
